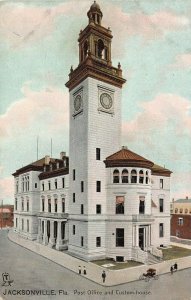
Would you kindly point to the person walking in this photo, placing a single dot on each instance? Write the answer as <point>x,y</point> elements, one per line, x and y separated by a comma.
<point>171,270</point>
<point>85,270</point>
<point>175,267</point>
<point>80,270</point>
<point>103,275</point>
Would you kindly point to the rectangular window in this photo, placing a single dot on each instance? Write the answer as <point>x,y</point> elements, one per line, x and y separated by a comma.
<point>22,224</point>
<point>161,205</point>
<point>55,205</point>
<point>119,205</point>
<point>119,237</point>
<point>74,197</point>
<point>22,204</point>
<point>180,221</point>
<point>49,205</point>
<point>63,182</point>
<point>74,229</point>
<point>63,205</point>
<point>98,153</point>
<point>98,186</point>
<point>49,186</point>
<point>161,230</point>
<point>35,185</point>
<point>142,204</point>
<point>161,183</point>
<point>27,225</point>
<point>82,241</point>
<point>43,186</point>
<point>15,204</point>
<point>98,208</point>
<point>82,186</point>
<point>98,241</point>
<point>42,204</point>
<point>55,183</point>
<point>74,174</point>
<point>16,222</point>
<point>82,209</point>
<point>27,205</point>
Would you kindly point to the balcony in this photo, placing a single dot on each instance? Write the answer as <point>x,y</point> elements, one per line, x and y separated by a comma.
<point>142,218</point>
<point>53,215</point>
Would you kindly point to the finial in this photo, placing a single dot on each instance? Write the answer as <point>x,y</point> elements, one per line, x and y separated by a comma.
<point>119,65</point>
<point>71,69</point>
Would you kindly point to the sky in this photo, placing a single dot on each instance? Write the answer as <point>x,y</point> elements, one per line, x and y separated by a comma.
<point>38,45</point>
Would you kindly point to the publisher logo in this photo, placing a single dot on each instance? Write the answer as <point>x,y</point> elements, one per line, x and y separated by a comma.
<point>6,279</point>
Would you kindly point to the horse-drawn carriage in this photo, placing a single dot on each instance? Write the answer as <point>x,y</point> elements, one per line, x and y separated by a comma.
<point>151,273</point>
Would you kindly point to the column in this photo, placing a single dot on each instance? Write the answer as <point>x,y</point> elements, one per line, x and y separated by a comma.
<point>137,236</point>
<point>145,238</point>
<point>39,237</point>
<point>59,237</point>
<point>52,239</point>
<point>45,237</point>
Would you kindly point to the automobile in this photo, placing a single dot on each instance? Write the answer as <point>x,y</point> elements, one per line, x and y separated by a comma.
<point>151,273</point>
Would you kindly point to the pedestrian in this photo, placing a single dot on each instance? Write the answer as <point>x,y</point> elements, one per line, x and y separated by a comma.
<point>80,270</point>
<point>85,270</point>
<point>175,267</point>
<point>103,275</point>
<point>171,270</point>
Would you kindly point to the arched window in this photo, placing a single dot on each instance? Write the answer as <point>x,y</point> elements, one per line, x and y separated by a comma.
<point>186,211</point>
<point>100,45</point>
<point>85,49</point>
<point>133,176</point>
<point>176,210</point>
<point>141,176</point>
<point>181,210</point>
<point>116,176</point>
<point>147,178</point>
<point>124,176</point>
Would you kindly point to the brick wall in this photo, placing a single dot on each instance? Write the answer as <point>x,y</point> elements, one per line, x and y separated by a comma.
<point>183,231</point>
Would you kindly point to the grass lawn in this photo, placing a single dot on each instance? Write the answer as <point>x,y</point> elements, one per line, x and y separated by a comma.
<point>117,265</point>
<point>175,252</point>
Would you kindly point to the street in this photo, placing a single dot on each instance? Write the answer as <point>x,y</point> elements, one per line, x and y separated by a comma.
<point>36,277</point>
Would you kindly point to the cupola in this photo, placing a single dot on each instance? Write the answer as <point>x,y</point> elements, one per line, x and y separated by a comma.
<point>95,13</point>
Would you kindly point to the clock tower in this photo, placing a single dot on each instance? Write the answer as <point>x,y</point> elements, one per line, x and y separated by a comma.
<point>95,131</point>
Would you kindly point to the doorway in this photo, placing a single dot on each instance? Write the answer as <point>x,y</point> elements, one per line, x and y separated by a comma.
<point>141,238</point>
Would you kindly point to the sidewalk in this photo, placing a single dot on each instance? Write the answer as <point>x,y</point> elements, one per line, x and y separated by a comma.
<point>114,277</point>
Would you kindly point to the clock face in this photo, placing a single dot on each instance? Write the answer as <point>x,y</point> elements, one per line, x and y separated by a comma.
<point>106,101</point>
<point>77,102</point>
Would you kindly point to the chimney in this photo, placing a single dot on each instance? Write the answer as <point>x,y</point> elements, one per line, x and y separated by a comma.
<point>62,154</point>
<point>124,147</point>
<point>47,159</point>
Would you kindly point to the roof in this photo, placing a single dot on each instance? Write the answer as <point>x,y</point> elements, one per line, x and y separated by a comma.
<point>125,158</point>
<point>187,200</point>
<point>162,171</point>
<point>5,210</point>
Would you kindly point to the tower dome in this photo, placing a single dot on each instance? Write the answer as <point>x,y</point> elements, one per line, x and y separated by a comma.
<point>95,13</point>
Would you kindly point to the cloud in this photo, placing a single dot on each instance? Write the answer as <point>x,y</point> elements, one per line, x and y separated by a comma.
<point>7,189</point>
<point>183,60</point>
<point>22,24</point>
<point>45,110</point>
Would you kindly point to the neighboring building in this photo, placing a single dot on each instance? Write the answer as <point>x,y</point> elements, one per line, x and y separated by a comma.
<point>6,216</point>
<point>113,203</point>
<point>181,218</point>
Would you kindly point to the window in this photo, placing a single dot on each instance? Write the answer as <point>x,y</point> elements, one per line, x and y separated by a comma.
<point>22,224</point>
<point>74,197</point>
<point>43,186</point>
<point>119,205</point>
<point>161,230</point>
<point>42,204</point>
<point>55,205</point>
<point>161,183</point>
<point>74,174</point>
<point>116,176</point>
<point>62,230</point>
<point>141,176</point>
<point>181,210</point>
<point>142,204</point>
<point>147,178</point>
<point>176,210</point>
<point>82,186</point>
<point>98,208</point>
<point>133,176</point>
<point>82,209</point>
<point>161,205</point>
<point>49,205</point>
<point>63,182</point>
<point>74,229</point>
<point>55,183</point>
<point>16,204</point>
<point>119,237</point>
<point>98,153</point>
<point>98,186</point>
<point>100,48</point>
<point>124,176</point>
<point>35,185</point>
<point>17,186</point>
<point>63,205</point>
<point>180,221</point>
<point>98,241</point>
<point>16,222</point>
<point>49,186</point>
<point>22,204</point>
<point>27,204</point>
<point>186,211</point>
<point>82,241</point>
<point>27,225</point>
